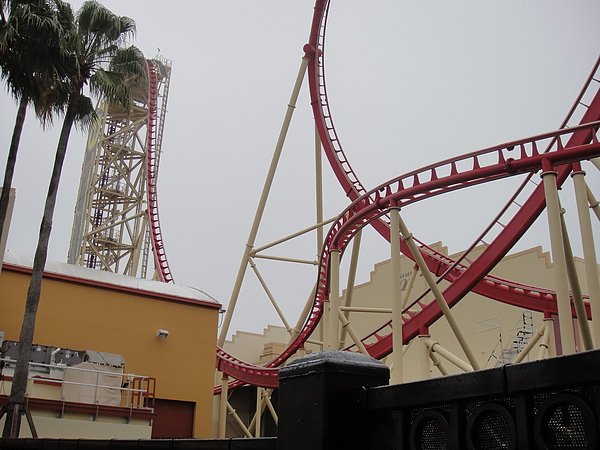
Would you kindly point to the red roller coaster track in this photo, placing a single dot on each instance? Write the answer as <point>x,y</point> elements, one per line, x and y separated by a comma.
<point>559,149</point>
<point>158,249</point>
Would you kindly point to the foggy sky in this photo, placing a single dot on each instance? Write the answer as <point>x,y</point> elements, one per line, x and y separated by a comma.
<point>410,83</point>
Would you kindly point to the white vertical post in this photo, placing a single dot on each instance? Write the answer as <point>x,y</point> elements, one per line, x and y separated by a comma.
<point>259,409</point>
<point>565,318</point>
<point>334,299</point>
<point>222,427</point>
<point>351,281</point>
<point>589,252</point>
<point>397,375</point>
<point>424,359</point>
<point>325,325</point>
<point>545,341</point>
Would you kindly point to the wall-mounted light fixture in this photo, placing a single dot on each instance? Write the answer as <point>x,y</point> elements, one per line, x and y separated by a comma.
<point>163,334</point>
<point>221,315</point>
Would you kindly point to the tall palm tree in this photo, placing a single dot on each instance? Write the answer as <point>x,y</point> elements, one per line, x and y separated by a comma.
<point>96,60</point>
<point>30,55</point>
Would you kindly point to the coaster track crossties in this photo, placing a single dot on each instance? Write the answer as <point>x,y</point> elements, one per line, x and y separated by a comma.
<point>560,150</point>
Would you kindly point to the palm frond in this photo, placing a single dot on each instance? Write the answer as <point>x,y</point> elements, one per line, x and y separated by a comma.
<point>129,61</point>
<point>85,114</point>
<point>99,26</point>
<point>112,85</point>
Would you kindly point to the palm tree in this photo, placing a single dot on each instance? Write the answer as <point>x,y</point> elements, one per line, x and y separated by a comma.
<point>29,63</point>
<point>96,59</point>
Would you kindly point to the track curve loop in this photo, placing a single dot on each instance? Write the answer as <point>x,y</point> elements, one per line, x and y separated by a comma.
<point>559,148</point>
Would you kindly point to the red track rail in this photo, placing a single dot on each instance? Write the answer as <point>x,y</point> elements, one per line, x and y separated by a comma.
<point>438,263</point>
<point>158,249</point>
<point>475,168</point>
<point>366,211</point>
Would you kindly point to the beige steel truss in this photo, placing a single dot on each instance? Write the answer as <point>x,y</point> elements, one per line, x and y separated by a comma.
<point>111,221</point>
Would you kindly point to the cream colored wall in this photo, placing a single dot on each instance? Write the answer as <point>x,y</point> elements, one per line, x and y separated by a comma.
<point>251,345</point>
<point>81,426</point>
<point>78,316</point>
<point>486,324</point>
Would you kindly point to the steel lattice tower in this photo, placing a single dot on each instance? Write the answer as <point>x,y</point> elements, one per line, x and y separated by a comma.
<point>116,226</point>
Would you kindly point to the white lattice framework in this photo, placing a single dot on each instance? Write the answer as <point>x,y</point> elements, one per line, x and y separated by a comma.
<point>116,224</point>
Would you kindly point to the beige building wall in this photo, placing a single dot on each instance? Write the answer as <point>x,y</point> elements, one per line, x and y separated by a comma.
<point>84,313</point>
<point>488,325</point>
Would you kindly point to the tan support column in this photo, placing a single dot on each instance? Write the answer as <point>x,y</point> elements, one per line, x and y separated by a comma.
<point>259,410</point>
<point>139,240</point>
<point>594,204</point>
<point>334,299</point>
<point>319,205</point>
<point>222,427</point>
<point>584,326</point>
<point>346,325</point>
<point>545,342</point>
<point>447,355</point>
<point>397,375</point>
<point>589,252</point>
<point>319,190</point>
<point>238,420</point>
<point>565,321</point>
<point>437,363</point>
<point>271,408</point>
<point>530,344</point>
<point>437,293</point>
<point>351,282</point>
<point>262,203</point>
<point>424,355</point>
<point>263,405</point>
<point>324,322</point>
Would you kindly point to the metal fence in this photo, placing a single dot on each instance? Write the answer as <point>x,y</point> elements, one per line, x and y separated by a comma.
<point>327,402</point>
<point>339,400</point>
<point>133,391</point>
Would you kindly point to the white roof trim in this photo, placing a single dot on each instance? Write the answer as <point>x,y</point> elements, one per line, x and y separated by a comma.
<point>84,273</point>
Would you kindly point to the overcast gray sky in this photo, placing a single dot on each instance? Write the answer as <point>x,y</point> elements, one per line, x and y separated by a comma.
<point>410,83</point>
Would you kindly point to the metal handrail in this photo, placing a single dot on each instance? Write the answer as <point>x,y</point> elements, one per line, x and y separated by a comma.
<point>125,377</point>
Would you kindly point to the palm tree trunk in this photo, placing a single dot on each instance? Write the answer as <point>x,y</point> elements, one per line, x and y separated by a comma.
<point>19,385</point>
<point>10,163</point>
